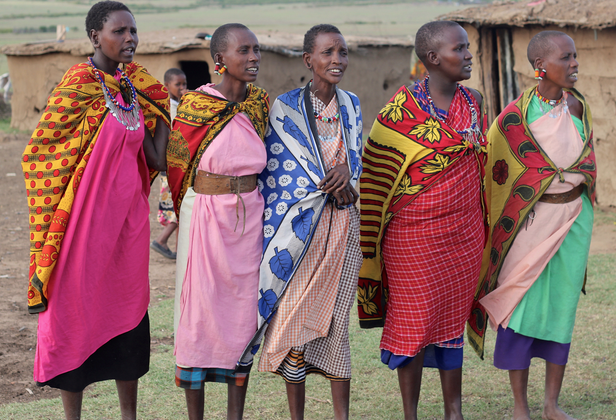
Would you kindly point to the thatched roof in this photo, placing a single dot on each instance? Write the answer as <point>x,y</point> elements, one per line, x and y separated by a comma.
<point>168,41</point>
<point>589,14</point>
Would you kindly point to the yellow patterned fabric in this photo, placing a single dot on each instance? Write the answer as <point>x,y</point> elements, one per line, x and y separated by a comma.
<point>57,155</point>
<point>200,117</point>
<point>408,150</point>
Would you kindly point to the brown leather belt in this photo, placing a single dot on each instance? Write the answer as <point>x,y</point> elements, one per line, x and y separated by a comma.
<point>214,184</point>
<point>563,198</point>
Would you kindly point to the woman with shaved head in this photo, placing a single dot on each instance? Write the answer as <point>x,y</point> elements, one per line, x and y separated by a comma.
<point>214,154</point>
<point>422,218</point>
<point>540,184</point>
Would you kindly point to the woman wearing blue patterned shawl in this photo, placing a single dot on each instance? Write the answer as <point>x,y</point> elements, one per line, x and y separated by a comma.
<point>311,254</point>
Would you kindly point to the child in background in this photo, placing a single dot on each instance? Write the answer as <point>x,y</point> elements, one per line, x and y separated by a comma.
<point>175,82</point>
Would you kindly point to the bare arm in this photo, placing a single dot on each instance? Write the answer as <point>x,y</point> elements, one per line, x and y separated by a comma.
<point>478,97</point>
<point>155,148</point>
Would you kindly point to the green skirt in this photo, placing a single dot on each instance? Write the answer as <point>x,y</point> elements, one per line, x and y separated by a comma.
<point>547,310</point>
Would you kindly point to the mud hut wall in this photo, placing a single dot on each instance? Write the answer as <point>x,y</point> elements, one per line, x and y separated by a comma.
<point>158,64</point>
<point>33,79</point>
<point>374,74</point>
<point>279,74</point>
<point>596,81</point>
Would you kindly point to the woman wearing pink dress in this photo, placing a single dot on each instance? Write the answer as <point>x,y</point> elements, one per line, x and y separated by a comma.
<point>88,168</point>
<point>215,151</point>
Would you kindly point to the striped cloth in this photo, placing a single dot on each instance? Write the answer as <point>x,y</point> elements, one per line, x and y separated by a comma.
<point>195,378</point>
<point>294,368</point>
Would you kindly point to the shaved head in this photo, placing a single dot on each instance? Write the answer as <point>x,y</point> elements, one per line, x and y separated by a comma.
<point>220,38</point>
<point>429,37</point>
<point>541,45</point>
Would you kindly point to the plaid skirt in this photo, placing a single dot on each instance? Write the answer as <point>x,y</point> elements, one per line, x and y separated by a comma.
<point>331,354</point>
<point>432,253</point>
<point>195,378</point>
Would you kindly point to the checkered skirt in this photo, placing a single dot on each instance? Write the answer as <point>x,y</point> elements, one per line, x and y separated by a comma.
<point>432,254</point>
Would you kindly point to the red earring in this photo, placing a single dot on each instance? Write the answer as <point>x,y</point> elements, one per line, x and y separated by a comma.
<point>539,74</point>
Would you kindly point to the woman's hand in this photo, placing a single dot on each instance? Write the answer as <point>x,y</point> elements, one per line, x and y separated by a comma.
<point>155,149</point>
<point>336,182</point>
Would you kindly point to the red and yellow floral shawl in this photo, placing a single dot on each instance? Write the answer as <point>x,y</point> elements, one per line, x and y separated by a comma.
<point>407,151</point>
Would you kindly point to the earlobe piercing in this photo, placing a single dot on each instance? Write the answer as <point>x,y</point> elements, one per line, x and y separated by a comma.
<point>539,74</point>
<point>220,69</point>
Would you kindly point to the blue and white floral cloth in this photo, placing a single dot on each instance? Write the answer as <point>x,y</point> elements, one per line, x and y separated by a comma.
<point>293,203</point>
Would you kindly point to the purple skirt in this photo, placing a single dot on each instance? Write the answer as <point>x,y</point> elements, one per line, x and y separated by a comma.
<point>513,351</point>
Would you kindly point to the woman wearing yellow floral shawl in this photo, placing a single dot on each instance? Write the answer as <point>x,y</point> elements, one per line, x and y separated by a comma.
<point>540,185</point>
<point>87,170</point>
<point>423,218</point>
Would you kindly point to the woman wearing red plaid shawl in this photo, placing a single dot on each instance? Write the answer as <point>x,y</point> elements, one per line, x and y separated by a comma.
<point>422,222</point>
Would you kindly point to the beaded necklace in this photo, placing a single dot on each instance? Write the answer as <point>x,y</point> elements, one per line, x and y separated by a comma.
<point>553,108</point>
<point>470,134</point>
<point>320,117</point>
<point>128,116</point>
<point>327,119</point>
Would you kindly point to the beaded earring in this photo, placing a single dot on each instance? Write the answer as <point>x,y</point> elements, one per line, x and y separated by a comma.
<point>539,74</point>
<point>219,70</point>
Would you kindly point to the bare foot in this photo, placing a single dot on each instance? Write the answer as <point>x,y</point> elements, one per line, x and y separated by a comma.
<point>555,413</point>
<point>521,413</point>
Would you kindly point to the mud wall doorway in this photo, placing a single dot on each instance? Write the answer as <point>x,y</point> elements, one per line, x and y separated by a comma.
<point>197,73</point>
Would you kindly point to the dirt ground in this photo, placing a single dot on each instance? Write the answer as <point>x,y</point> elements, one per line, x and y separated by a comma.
<point>18,328</point>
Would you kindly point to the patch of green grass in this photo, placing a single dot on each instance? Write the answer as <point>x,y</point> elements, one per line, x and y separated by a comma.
<point>588,390</point>
<point>5,125</point>
<point>605,215</point>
